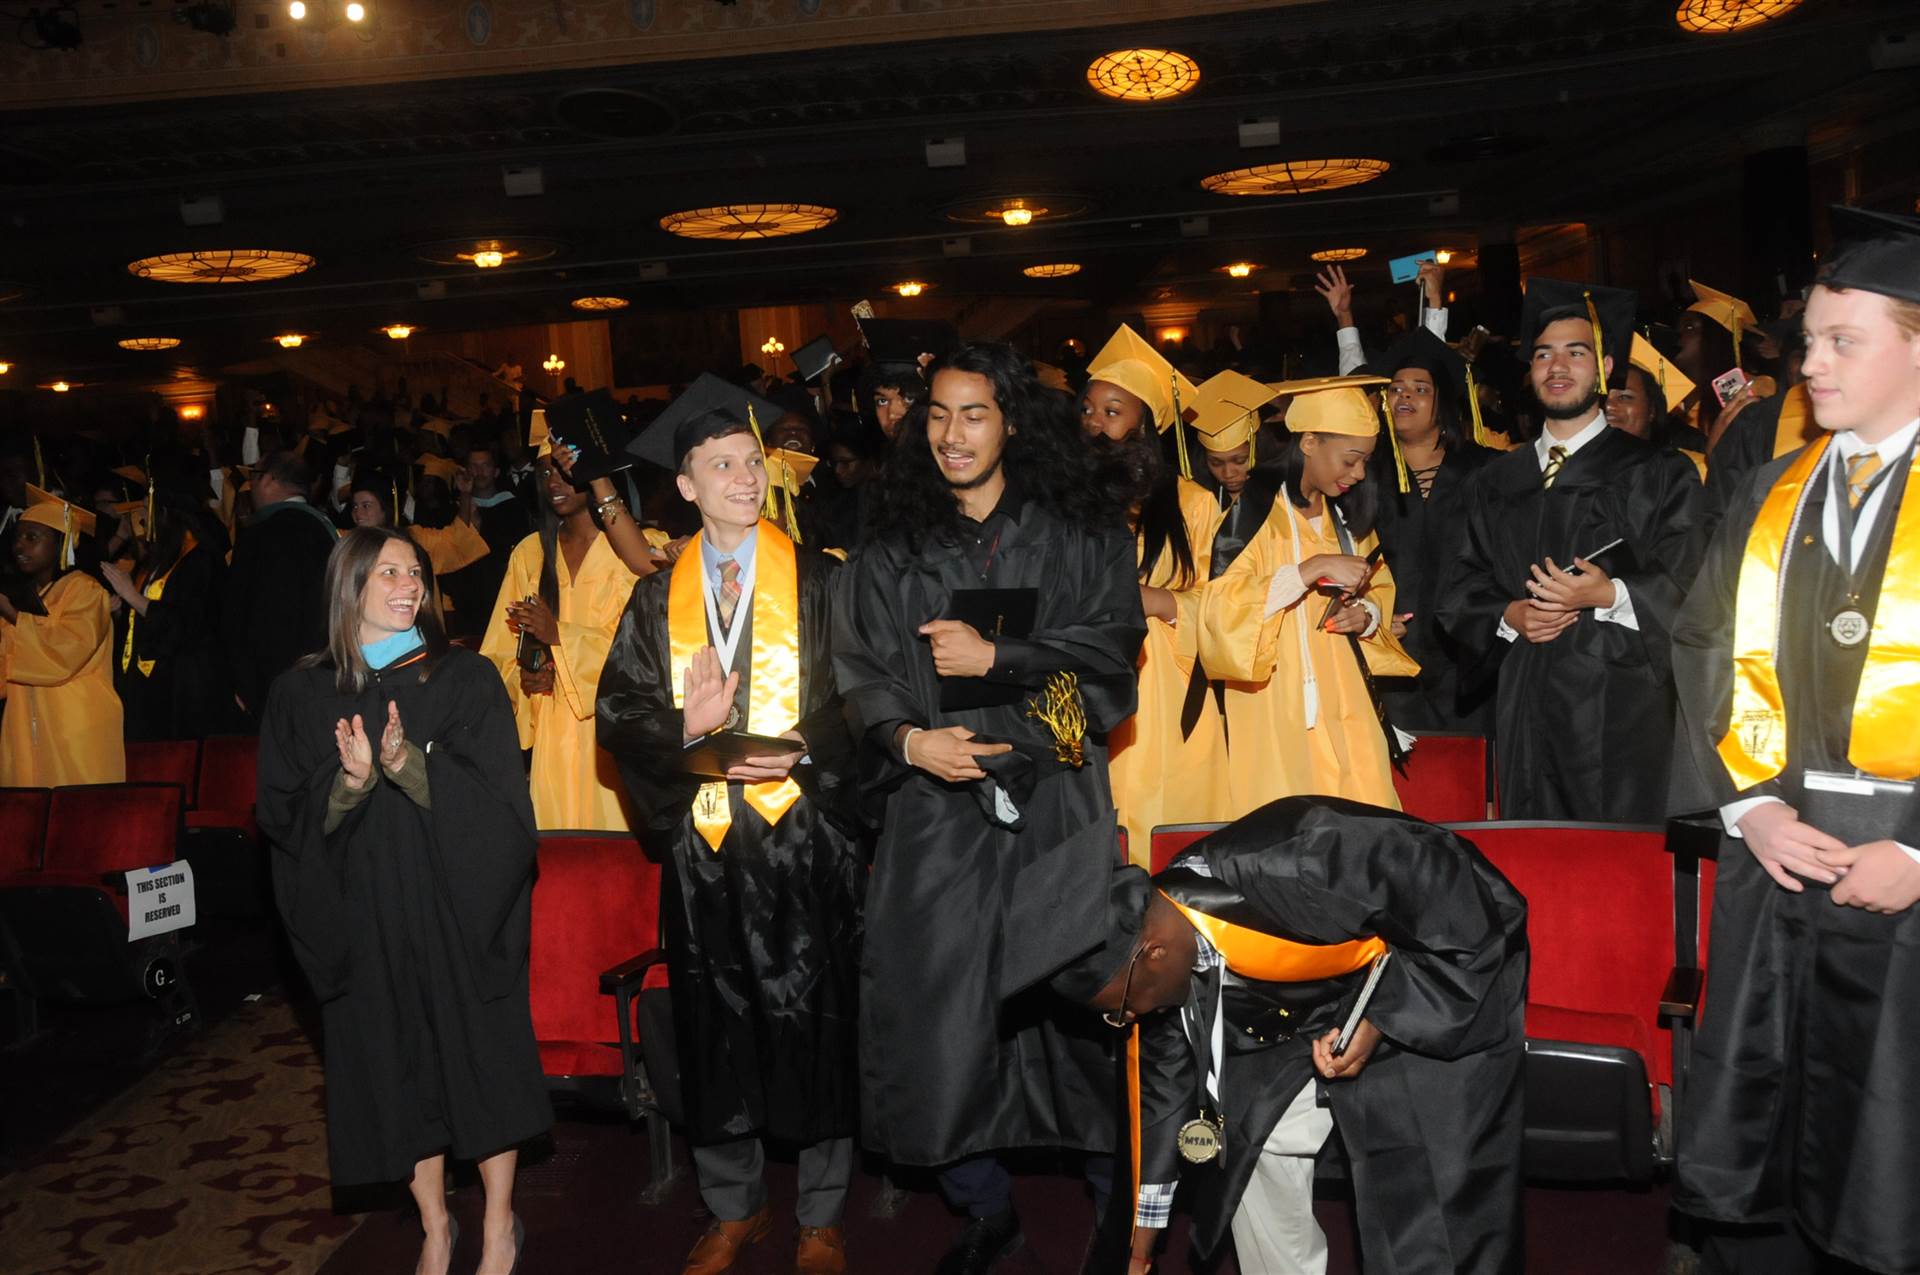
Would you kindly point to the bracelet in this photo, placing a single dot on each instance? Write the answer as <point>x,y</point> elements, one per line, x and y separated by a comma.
<point>911,732</point>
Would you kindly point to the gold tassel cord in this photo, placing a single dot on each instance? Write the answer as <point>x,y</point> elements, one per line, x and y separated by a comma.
<point>1058,707</point>
<point>769,506</point>
<point>1180,432</point>
<point>792,487</point>
<point>1253,440</point>
<point>152,533</point>
<point>1473,405</point>
<point>1599,340</point>
<point>1393,439</point>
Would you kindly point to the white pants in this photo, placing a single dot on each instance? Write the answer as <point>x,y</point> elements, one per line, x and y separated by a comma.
<point>1273,1229</point>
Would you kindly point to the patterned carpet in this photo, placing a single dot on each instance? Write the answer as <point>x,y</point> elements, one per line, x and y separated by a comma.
<point>215,1163</point>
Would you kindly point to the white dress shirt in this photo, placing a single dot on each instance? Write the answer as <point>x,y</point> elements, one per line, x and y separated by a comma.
<point>1620,610</point>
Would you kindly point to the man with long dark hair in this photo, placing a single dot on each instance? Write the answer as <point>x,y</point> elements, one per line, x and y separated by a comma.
<point>985,642</point>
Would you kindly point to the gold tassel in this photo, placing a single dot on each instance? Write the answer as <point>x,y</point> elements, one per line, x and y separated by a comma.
<point>1399,461</point>
<point>39,466</point>
<point>792,488</point>
<point>393,490</point>
<point>1253,440</point>
<point>1473,405</point>
<point>1180,432</point>
<point>1599,340</point>
<point>1058,706</point>
<point>769,507</point>
<point>152,533</point>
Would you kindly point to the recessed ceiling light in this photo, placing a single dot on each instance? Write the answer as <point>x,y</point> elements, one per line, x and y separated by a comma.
<point>1295,177</point>
<point>222,265</point>
<point>911,287</point>
<point>1722,17</point>
<point>1052,270</point>
<point>1239,269</point>
<point>748,221</point>
<point>398,331</point>
<point>599,303</point>
<point>1143,75</point>
<point>1339,254</point>
<point>149,342</point>
<point>291,340</point>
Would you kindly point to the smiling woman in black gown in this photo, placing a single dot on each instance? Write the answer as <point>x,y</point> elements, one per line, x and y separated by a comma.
<point>391,787</point>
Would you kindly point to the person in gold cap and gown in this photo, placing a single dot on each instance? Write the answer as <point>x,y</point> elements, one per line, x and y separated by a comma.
<point>1168,767</point>
<point>1302,620</point>
<point>62,723</point>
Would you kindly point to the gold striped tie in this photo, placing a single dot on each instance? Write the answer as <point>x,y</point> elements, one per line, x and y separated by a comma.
<point>1556,457</point>
<point>1860,472</point>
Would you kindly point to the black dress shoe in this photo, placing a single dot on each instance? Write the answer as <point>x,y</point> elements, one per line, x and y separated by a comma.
<point>983,1243</point>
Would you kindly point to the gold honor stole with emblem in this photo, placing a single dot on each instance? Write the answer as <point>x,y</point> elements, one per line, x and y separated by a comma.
<point>1887,702</point>
<point>1263,958</point>
<point>773,671</point>
<point>153,590</point>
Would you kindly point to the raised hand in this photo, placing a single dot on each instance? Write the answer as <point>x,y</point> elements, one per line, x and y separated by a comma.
<point>356,752</point>
<point>707,694</point>
<point>1332,285</point>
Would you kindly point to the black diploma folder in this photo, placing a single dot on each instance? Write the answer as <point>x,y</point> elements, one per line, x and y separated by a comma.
<point>993,614</point>
<point>1854,807</point>
<point>711,756</point>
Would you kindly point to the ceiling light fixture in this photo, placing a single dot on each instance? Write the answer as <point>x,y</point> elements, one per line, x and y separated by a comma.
<point>554,364</point>
<point>1295,177</point>
<point>291,340</point>
<point>599,303</point>
<point>1723,17</point>
<point>1443,255</point>
<point>1143,75</point>
<point>58,387</point>
<point>1052,270</point>
<point>222,265</point>
<point>911,288</point>
<point>1172,336</point>
<point>193,412</point>
<point>1018,214</point>
<point>487,259</point>
<point>1338,254</point>
<point>356,12</point>
<point>149,342</point>
<point>398,331</point>
<point>773,345</point>
<point>1240,269</point>
<point>748,221</point>
<point>297,10</point>
<point>5,368</point>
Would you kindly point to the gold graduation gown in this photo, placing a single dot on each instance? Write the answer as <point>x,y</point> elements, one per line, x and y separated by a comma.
<point>62,723</point>
<point>1271,752</point>
<point>1158,777</point>
<point>575,782</point>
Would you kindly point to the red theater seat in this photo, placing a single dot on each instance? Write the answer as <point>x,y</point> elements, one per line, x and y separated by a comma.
<point>597,980</point>
<point>1170,839</point>
<point>23,829</point>
<point>229,779</point>
<point>165,761</point>
<point>1600,925</point>
<point>1446,779</point>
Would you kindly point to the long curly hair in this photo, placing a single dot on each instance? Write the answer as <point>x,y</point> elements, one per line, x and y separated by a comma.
<point>1045,455</point>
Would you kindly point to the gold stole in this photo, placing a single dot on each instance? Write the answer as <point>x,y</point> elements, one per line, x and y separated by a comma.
<point>773,681</point>
<point>1887,703</point>
<point>153,589</point>
<point>1270,959</point>
<point>1796,426</point>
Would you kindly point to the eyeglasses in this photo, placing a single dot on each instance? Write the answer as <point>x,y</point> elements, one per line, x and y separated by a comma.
<point>1123,1018</point>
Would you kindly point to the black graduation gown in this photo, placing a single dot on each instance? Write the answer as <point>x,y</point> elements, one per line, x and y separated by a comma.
<point>411,924</point>
<point>1432,1127</point>
<point>959,1052</point>
<point>763,936</point>
<point>1800,1095</point>
<point>186,696</point>
<point>1420,539</point>
<point>1573,716</point>
<point>475,587</point>
<point>275,608</point>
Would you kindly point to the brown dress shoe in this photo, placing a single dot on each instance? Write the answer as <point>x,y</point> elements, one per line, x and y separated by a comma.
<point>822,1251</point>
<point>717,1250</point>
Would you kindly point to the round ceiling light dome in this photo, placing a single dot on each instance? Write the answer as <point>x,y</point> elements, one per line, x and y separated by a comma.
<point>1143,75</point>
<point>749,221</point>
<point>222,265</point>
<point>1295,177</point>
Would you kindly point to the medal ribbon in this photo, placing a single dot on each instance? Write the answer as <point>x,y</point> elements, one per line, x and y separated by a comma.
<point>1887,702</point>
<point>773,683</point>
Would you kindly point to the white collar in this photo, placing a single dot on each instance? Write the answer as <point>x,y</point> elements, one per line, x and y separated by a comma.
<point>1592,430</point>
<point>1891,448</point>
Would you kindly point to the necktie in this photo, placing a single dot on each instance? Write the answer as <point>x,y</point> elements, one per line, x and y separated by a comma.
<point>1556,457</point>
<point>729,591</point>
<point>1860,472</point>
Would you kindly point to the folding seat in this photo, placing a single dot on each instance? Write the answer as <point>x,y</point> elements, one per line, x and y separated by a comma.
<point>223,842</point>
<point>165,761</point>
<point>1448,779</point>
<point>1600,1061</point>
<point>1170,839</point>
<point>229,779</point>
<point>598,982</point>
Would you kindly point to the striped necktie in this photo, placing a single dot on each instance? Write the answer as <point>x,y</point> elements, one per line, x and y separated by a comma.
<point>1556,458</point>
<point>729,599</point>
<point>1860,474</point>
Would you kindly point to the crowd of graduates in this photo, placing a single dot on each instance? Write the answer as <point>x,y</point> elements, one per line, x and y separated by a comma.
<point>899,725</point>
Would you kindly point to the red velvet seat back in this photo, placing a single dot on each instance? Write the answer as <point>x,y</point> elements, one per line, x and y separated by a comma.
<point>596,904</point>
<point>229,773</point>
<point>1446,779</point>
<point>100,828</point>
<point>1170,839</point>
<point>1599,918</point>
<point>165,761</point>
<point>23,829</point>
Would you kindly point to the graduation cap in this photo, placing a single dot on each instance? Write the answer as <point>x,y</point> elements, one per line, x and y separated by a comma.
<point>537,436</point>
<point>1725,309</point>
<point>1449,367</point>
<point>132,473</point>
<point>1126,360</point>
<point>1609,310</point>
<point>787,472</point>
<point>590,422</point>
<point>1227,411</point>
<point>439,467</point>
<point>62,515</point>
<point>437,425</point>
<point>709,407</point>
<point>1129,890</point>
<point>1054,378</point>
<point>1674,384</point>
<point>905,340</point>
<point>1883,254</point>
<point>816,358</point>
<point>134,512</point>
<point>1342,405</point>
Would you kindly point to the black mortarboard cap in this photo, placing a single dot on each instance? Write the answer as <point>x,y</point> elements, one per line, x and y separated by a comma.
<point>1550,300</point>
<point>815,358</point>
<point>1128,892</point>
<point>1882,253</point>
<point>707,408</point>
<point>1421,348</point>
<point>905,340</point>
<point>590,422</point>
